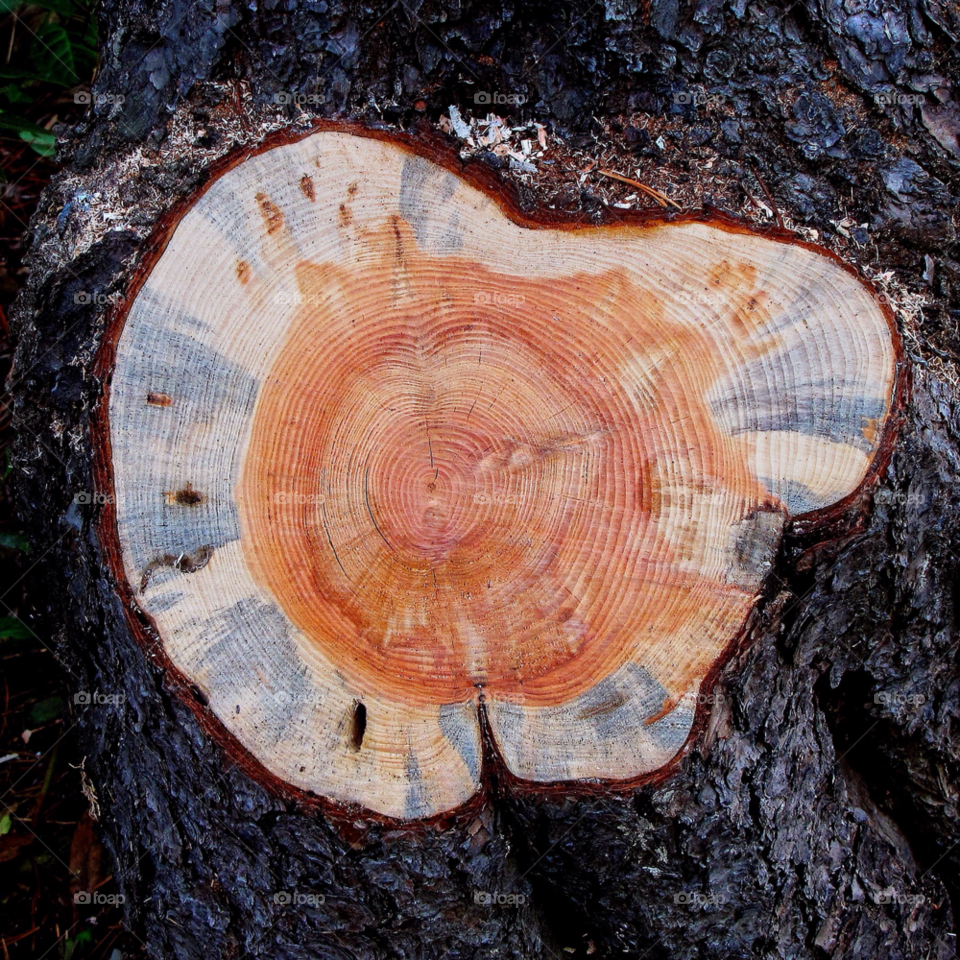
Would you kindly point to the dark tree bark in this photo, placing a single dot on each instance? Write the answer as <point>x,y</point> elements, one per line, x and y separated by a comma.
<point>819,816</point>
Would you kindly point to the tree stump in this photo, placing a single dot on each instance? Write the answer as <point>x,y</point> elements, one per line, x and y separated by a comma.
<point>685,682</point>
<point>383,454</point>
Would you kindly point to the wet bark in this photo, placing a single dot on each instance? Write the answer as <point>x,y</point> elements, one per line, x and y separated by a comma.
<point>820,816</point>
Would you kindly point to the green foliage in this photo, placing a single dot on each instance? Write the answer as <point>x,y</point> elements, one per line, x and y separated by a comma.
<point>72,945</point>
<point>42,141</point>
<point>43,711</point>
<point>52,54</point>
<point>52,46</point>
<point>14,541</point>
<point>12,628</point>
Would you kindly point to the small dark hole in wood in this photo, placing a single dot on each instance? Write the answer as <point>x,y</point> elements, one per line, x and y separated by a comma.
<point>185,563</point>
<point>191,563</point>
<point>188,497</point>
<point>359,725</point>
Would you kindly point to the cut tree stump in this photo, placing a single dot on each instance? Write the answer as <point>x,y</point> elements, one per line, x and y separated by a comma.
<point>818,815</point>
<point>393,465</point>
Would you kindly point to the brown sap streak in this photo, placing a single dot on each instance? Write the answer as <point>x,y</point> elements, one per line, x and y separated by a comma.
<point>271,213</point>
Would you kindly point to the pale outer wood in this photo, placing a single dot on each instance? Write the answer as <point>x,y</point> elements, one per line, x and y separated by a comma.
<point>799,379</point>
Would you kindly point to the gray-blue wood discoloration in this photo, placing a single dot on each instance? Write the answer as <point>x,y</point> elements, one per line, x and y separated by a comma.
<point>417,802</point>
<point>460,735</point>
<point>797,497</point>
<point>162,357</point>
<point>420,201</point>
<point>284,693</point>
<point>630,696</point>
<point>775,392</point>
<point>754,542</point>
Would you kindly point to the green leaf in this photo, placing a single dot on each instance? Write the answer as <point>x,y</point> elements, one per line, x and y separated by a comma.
<point>90,35</point>
<point>8,6</point>
<point>6,822</point>
<point>16,123</point>
<point>71,943</point>
<point>53,55</point>
<point>43,711</point>
<point>14,93</point>
<point>43,143</point>
<point>84,59</point>
<point>64,7</point>
<point>11,628</point>
<point>15,73</point>
<point>15,541</point>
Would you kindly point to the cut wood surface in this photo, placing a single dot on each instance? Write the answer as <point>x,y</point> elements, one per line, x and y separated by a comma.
<point>388,459</point>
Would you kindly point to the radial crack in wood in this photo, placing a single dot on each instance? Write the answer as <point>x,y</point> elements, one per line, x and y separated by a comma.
<point>427,459</point>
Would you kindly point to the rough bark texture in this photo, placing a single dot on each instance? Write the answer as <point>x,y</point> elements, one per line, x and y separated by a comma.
<point>821,817</point>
